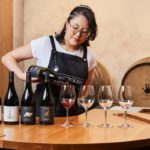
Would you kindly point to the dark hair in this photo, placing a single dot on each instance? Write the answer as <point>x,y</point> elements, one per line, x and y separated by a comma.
<point>87,12</point>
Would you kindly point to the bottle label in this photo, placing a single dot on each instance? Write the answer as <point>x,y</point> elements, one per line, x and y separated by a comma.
<point>0,113</point>
<point>11,113</point>
<point>46,114</point>
<point>27,114</point>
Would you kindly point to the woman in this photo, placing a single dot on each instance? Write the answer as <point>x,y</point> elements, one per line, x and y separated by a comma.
<point>66,53</point>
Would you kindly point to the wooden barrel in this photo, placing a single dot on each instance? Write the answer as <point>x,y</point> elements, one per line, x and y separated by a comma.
<point>100,77</point>
<point>138,75</point>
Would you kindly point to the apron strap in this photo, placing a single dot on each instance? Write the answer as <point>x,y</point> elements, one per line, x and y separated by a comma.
<point>53,43</point>
<point>54,48</point>
<point>85,53</point>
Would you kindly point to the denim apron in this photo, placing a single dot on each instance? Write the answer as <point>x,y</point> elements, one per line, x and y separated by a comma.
<point>70,69</point>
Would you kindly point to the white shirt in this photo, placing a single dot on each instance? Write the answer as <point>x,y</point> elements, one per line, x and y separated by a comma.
<point>41,51</point>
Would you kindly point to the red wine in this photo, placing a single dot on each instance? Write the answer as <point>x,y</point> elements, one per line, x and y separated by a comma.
<point>27,103</point>
<point>67,103</point>
<point>11,103</point>
<point>47,111</point>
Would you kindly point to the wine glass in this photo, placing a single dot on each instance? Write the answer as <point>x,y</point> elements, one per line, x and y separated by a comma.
<point>86,99</point>
<point>67,98</point>
<point>125,97</point>
<point>105,100</point>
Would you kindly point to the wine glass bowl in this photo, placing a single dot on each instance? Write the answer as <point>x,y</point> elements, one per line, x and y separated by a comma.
<point>86,103</point>
<point>67,98</point>
<point>67,102</point>
<point>105,100</point>
<point>125,97</point>
<point>126,104</point>
<point>86,99</point>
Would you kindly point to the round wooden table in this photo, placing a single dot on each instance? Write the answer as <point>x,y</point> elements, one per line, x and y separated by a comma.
<point>56,137</point>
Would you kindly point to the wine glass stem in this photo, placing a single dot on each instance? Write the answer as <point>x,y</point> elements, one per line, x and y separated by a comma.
<point>125,117</point>
<point>67,120</point>
<point>105,111</point>
<point>85,116</point>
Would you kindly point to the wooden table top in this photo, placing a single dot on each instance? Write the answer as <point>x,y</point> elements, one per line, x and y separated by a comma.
<point>76,137</point>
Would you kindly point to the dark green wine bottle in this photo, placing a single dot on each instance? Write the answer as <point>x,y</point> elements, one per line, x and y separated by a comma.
<point>39,72</point>
<point>47,111</point>
<point>11,103</point>
<point>27,103</point>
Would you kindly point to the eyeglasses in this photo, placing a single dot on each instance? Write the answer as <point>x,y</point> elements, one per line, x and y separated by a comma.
<point>83,32</point>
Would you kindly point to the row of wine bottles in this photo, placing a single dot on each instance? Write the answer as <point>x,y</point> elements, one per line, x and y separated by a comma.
<point>27,109</point>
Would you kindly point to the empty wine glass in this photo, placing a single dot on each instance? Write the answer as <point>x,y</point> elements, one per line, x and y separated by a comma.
<point>86,99</point>
<point>105,100</point>
<point>67,98</point>
<point>125,97</point>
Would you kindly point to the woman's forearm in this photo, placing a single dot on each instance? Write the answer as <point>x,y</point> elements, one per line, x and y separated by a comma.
<point>12,58</point>
<point>11,63</point>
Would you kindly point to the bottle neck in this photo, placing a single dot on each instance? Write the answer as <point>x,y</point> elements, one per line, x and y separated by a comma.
<point>28,81</point>
<point>28,86</point>
<point>46,77</point>
<point>11,85</point>
<point>11,79</point>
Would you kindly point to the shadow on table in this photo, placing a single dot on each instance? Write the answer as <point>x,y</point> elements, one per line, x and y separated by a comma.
<point>143,148</point>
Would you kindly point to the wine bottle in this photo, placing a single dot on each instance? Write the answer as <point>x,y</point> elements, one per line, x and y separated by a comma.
<point>0,110</point>
<point>27,103</point>
<point>11,103</point>
<point>38,71</point>
<point>47,111</point>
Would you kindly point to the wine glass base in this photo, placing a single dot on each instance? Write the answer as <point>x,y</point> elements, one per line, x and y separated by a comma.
<point>125,126</point>
<point>105,126</point>
<point>86,125</point>
<point>67,124</point>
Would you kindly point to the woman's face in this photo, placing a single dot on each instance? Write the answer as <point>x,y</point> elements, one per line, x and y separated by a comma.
<point>77,31</point>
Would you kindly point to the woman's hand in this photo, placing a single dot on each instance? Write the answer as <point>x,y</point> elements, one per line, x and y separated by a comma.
<point>22,76</point>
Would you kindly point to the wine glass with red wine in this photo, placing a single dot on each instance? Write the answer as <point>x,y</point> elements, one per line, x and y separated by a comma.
<point>67,98</point>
